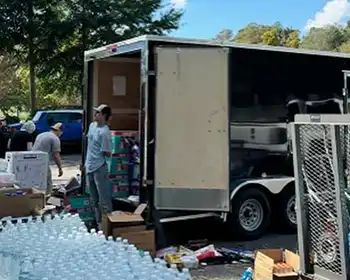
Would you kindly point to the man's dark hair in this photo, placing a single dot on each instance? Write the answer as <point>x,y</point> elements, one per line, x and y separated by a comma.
<point>107,112</point>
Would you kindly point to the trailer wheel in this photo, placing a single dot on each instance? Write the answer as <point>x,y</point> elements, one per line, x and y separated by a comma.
<point>286,209</point>
<point>251,214</point>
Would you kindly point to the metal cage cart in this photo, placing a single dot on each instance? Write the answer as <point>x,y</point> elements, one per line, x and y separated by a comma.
<point>321,152</point>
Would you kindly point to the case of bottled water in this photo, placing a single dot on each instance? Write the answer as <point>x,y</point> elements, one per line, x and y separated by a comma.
<point>60,248</point>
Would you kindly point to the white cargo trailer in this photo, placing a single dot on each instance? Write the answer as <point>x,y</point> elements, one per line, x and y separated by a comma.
<point>212,120</point>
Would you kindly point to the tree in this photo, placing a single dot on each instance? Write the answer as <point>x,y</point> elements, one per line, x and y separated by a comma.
<point>50,36</point>
<point>48,92</point>
<point>251,34</point>
<point>274,35</point>
<point>345,47</point>
<point>329,38</point>
<point>10,94</point>
<point>29,30</point>
<point>94,23</point>
<point>277,35</point>
<point>224,35</point>
<point>293,40</point>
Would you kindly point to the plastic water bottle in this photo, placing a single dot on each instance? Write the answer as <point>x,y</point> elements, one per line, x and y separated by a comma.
<point>247,274</point>
<point>78,178</point>
<point>186,274</point>
<point>43,249</point>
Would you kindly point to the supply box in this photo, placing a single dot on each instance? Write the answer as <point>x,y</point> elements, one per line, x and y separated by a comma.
<point>276,264</point>
<point>130,226</point>
<point>21,202</point>
<point>30,168</point>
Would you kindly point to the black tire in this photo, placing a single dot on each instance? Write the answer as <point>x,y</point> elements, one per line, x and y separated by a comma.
<point>262,221</point>
<point>286,209</point>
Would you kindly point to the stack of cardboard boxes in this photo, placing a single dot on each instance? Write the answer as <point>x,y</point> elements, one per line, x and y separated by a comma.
<point>130,226</point>
<point>119,167</point>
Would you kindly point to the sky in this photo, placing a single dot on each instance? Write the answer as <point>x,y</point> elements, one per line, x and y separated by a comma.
<point>204,18</point>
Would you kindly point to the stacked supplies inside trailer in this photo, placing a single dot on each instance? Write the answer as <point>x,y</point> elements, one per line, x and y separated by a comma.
<point>123,164</point>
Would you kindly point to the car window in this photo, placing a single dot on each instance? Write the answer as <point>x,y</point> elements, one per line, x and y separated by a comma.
<point>37,116</point>
<point>75,117</point>
<point>53,118</point>
<point>65,117</point>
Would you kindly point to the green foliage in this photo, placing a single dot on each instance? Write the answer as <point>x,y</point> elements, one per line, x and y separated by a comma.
<point>94,23</point>
<point>292,39</point>
<point>251,34</point>
<point>48,37</point>
<point>329,38</point>
<point>345,47</point>
<point>10,93</point>
<point>274,35</point>
<point>224,35</point>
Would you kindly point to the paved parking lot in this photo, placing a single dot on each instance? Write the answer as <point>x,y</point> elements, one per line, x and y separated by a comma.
<point>275,239</point>
<point>70,164</point>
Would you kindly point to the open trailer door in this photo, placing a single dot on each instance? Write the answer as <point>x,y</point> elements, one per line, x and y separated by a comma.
<point>192,161</point>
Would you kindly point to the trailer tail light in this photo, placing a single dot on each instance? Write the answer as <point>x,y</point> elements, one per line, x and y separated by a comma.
<point>112,48</point>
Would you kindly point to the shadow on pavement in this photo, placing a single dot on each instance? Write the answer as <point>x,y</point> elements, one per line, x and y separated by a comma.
<point>214,231</point>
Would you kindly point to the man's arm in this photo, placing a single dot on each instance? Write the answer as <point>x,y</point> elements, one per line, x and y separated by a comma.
<point>29,142</point>
<point>9,144</point>
<point>106,143</point>
<point>57,159</point>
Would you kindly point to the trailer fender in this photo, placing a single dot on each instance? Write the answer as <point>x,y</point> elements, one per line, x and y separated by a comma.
<point>272,185</point>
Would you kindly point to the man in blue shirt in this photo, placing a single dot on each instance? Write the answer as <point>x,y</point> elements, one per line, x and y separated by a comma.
<point>98,147</point>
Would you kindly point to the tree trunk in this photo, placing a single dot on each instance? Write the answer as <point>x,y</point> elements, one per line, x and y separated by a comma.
<point>83,42</point>
<point>32,86</point>
<point>31,58</point>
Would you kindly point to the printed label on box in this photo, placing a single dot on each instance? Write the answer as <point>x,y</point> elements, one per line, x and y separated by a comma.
<point>124,133</point>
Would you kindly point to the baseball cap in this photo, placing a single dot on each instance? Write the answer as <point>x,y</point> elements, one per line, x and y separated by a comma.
<point>100,107</point>
<point>57,126</point>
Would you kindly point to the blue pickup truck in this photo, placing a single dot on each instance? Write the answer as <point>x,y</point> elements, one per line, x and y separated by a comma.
<point>70,118</point>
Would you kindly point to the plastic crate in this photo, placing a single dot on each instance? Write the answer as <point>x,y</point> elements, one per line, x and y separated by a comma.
<point>77,202</point>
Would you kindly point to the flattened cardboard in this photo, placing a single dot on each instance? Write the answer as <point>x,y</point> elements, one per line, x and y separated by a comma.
<point>126,217</point>
<point>120,219</point>
<point>292,259</point>
<point>22,205</point>
<point>265,260</point>
<point>263,267</point>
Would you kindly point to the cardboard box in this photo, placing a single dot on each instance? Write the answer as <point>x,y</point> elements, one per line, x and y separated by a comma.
<point>120,219</point>
<point>265,264</point>
<point>122,230</point>
<point>32,201</point>
<point>120,186</point>
<point>143,240</point>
